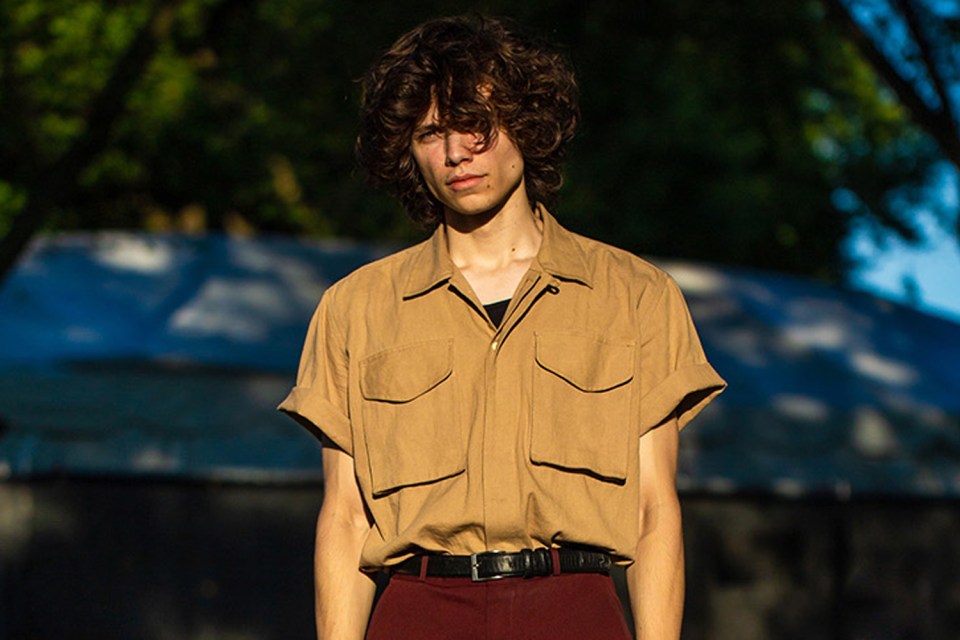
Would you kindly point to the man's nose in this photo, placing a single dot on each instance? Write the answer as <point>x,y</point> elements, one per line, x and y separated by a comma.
<point>459,147</point>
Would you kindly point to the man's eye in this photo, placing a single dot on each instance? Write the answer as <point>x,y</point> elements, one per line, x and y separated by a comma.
<point>427,135</point>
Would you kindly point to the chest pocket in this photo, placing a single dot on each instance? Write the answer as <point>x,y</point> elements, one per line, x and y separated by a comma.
<point>410,422</point>
<point>584,405</point>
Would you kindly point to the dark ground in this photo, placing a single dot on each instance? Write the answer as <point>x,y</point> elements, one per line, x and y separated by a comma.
<point>157,560</point>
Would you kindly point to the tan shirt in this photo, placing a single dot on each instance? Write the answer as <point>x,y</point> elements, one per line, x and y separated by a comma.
<point>467,437</point>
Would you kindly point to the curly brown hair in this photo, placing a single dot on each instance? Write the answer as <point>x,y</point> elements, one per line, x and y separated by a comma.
<point>486,77</point>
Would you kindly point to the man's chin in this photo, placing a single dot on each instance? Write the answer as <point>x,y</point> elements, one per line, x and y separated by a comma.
<point>467,219</point>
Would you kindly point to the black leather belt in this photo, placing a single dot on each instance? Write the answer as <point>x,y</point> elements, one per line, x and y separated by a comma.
<point>493,565</point>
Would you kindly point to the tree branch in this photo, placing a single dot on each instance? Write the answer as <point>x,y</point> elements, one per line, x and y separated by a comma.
<point>17,158</point>
<point>937,124</point>
<point>55,184</point>
<point>933,69</point>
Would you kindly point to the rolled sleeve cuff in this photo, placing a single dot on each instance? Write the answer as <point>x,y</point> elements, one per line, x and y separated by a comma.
<point>686,391</point>
<point>319,416</point>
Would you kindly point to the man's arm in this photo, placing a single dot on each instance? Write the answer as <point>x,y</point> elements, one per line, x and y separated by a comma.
<point>656,579</point>
<point>344,594</point>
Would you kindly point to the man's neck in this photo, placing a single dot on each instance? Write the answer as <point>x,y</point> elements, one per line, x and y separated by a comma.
<point>494,250</point>
<point>494,240</point>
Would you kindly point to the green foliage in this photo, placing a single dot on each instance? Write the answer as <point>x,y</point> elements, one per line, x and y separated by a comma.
<point>56,56</point>
<point>746,133</point>
<point>723,130</point>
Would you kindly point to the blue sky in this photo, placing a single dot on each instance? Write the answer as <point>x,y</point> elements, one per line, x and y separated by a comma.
<point>934,265</point>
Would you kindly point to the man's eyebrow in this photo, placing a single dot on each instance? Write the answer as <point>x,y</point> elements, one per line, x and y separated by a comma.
<point>422,129</point>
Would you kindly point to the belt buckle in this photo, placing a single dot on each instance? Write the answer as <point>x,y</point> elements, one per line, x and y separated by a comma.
<point>475,565</point>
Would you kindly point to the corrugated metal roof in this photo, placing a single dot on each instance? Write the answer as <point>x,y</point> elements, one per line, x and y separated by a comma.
<point>134,354</point>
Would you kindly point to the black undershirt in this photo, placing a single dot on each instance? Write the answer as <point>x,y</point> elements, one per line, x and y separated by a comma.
<point>496,310</point>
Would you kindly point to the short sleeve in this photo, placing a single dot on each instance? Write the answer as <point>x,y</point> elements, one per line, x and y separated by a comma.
<point>319,399</point>
<point>674,372</point>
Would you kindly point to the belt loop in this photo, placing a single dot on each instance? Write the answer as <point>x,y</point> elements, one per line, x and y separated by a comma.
<point>555,556</point>
<point>423,567</point>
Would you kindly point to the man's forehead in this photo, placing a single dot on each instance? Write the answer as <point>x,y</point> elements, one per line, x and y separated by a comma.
<point>431,116</point>
<point>484,90</point>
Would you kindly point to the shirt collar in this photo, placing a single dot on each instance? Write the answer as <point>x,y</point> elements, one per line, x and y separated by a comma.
<point>560,255</point>
<point>430,266</point>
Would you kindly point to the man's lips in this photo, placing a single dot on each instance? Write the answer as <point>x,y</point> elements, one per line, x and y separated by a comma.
<point>465,181</point>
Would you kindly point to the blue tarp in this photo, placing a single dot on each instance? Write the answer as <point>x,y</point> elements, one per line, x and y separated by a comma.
<point>136,354</point>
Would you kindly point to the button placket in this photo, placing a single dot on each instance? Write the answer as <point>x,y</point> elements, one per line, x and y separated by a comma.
<point>498,441</point>
<point>524,297</point>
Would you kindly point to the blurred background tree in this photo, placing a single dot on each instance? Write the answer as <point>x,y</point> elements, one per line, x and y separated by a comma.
<point>747,133</point>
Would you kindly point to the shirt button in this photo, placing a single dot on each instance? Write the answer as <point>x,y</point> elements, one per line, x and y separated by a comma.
<point>493,347</point>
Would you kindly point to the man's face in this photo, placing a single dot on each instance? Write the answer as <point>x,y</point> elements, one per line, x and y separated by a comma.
<point>466,180</point>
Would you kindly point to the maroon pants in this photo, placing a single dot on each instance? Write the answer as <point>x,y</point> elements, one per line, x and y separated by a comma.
<point>569,606</point>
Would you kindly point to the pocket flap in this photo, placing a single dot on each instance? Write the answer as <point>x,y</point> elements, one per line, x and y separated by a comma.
<point>404,373</point>
<point>586,362</point>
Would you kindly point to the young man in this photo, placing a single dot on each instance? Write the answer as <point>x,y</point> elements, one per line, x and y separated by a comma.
<point>500,405</point>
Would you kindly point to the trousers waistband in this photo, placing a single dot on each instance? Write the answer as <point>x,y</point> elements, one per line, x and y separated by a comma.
<point>493,565</point>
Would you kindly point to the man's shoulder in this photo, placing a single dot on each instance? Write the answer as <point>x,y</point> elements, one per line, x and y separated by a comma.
<point>614,263</point>
<point>388,272</point>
